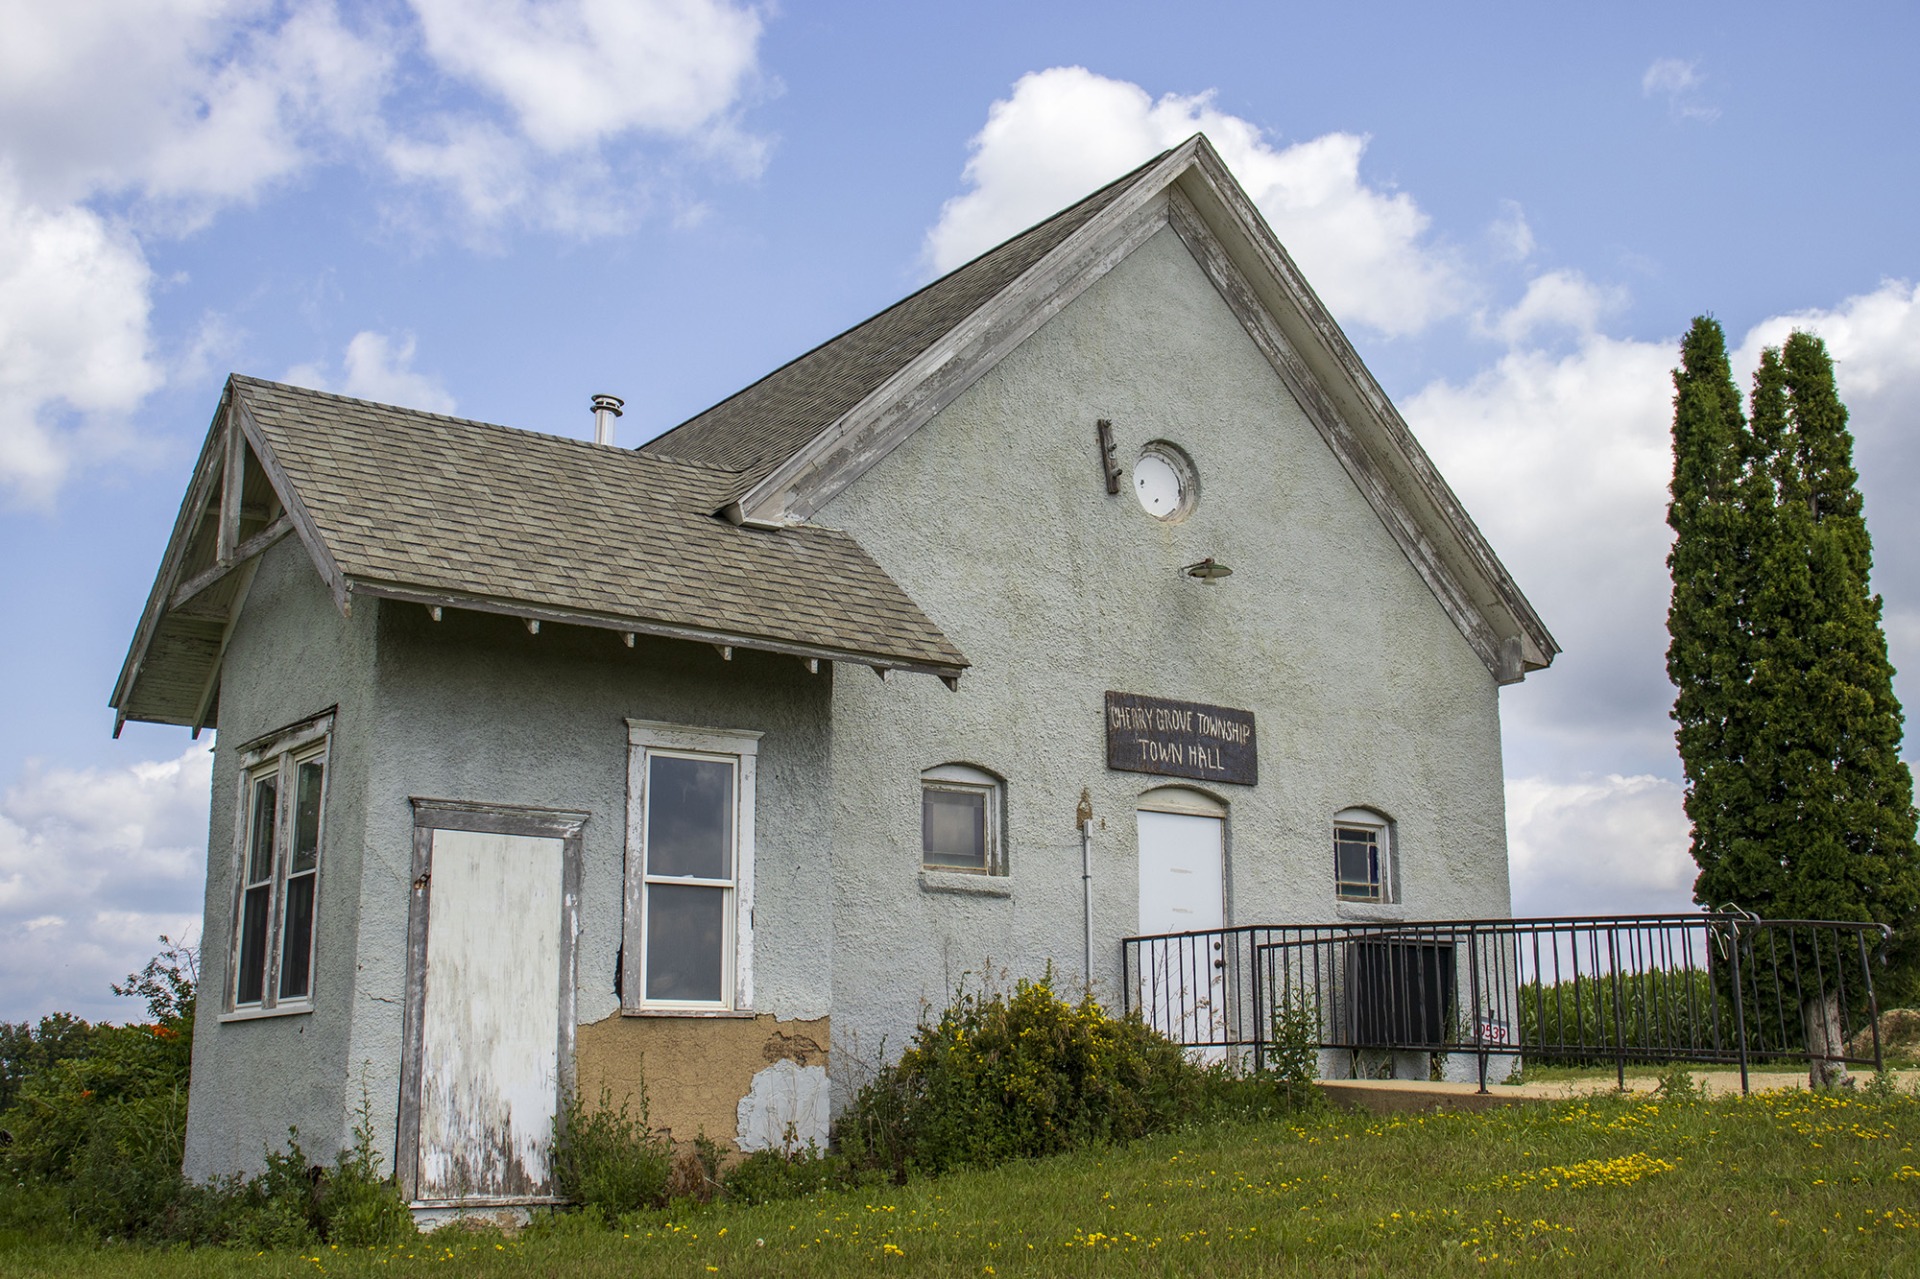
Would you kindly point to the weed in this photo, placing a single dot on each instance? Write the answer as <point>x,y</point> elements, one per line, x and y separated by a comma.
<point>606,1159</point>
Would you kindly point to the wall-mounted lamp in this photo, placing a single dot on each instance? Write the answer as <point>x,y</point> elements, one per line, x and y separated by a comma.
<point>1208,570</point>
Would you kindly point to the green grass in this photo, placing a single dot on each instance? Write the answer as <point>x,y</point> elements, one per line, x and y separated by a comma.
<point>1782,1183</point>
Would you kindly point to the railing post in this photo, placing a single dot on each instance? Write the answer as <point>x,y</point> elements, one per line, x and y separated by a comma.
<point>1739,1001</point>
<point>1473,984</point>
<point>1619,1022</point>
<point>1873,1000</point>
<point>1262,1027</point>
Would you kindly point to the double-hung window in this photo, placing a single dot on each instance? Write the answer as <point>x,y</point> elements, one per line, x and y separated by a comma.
<point>277,864</point>
<point>689,868</point>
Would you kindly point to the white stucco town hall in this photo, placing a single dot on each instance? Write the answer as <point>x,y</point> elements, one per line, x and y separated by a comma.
<point>1095,589</point>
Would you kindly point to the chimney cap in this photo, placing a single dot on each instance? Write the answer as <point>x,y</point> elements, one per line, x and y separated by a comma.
<point>608,404</point>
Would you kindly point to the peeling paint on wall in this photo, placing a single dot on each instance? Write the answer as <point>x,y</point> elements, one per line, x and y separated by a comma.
<point>697,1071</point>
<point>787,1108</point>
<point>489,1076</point>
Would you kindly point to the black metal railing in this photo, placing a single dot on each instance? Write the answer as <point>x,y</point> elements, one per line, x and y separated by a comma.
<point>1722,989</point>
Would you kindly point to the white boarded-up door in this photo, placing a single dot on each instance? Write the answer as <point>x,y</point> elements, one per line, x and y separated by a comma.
<point>493,1005</point>
<point>1183,890</point>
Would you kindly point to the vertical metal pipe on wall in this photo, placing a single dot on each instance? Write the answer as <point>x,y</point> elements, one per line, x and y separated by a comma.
<point>1086,897</point>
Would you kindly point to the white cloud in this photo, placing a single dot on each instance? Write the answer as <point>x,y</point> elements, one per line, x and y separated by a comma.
<point>75,352</point>
<point>195,102</point>
<point>578,72</point>
<point>1611,845</point>
<point>122,119</point>
<point>1679,82</point>
<point>1065,131</point>
<point>94,865</point>
<point>1511,234</point>
<point>1564,460</point>
<point>378,367</point>
<point>1561,299</point>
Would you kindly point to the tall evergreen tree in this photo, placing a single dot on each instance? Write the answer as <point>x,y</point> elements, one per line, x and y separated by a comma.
<point>1788,726</point>
<point>1707,659</point>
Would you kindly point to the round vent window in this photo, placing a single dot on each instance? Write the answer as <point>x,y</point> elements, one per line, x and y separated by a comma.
<point>1164,482</point>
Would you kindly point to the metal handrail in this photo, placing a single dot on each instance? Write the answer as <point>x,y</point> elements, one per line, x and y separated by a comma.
<point>1722,987</point>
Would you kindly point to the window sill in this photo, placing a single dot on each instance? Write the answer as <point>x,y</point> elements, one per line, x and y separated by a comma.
<point>260,1014</point>
<point>966,885</point>
<point>1371,912</point>
<point>738,1013</point>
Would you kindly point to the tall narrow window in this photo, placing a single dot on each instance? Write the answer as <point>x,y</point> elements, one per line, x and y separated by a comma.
<point>1362,856</point>
<point>278,864</point>
<point>689,853</point>
<point>690,828</point>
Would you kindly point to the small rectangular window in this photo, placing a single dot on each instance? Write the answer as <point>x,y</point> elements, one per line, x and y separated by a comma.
<point>953,829</point>
<point>278,868</point>
<point>960,820</point>
<point>1356,864</point>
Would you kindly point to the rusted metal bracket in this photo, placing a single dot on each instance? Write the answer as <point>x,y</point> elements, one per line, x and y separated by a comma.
<point>1109,460</point>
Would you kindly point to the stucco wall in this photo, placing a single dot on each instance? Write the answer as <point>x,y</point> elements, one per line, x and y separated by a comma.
<point>474,708</point>
<point>695,1069</point>
<point>995,519</point>
<point>292,655</point>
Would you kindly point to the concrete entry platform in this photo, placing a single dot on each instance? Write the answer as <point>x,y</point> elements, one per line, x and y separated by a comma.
<point>1418,1096</point>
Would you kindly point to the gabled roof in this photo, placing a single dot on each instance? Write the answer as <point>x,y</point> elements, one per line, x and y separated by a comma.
<point>407,505</point>
<point>756,429</point>
<point>800,436</point>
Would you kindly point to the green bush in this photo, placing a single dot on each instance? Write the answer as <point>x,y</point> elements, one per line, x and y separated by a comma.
<point>98,1129</point>
<point>766,1176</point>
<point>1011,1077</point>
<point>606,1160</point>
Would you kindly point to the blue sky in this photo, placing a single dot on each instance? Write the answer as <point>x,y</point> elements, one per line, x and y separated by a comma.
<point>497,207</point>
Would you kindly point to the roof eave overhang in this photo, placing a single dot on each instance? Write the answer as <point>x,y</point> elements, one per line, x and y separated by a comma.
<point>720,637</point>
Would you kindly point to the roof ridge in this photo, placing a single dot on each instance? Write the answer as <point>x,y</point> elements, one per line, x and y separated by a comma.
<point>454,420</point>
<point>1125,178</point>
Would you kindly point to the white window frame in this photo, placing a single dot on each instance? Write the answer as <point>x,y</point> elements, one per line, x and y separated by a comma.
<point>646,739</point>
<point>279,755</point>
<point>966,779</point>
<point>1384,844</point>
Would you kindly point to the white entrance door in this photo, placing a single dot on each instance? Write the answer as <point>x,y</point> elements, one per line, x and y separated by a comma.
<point>1183,890</point>
<point>490,1022</point>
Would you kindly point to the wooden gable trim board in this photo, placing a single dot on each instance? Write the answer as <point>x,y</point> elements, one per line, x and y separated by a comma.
<point>1365,405</point>
<point>192,509</point>
<point>241,554</point>
<point>1192,190</point>
<point>845,450</point>
<point>1334,430</point>
<point>303,523</point>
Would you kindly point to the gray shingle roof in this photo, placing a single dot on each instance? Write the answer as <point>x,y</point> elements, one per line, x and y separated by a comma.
<point>421,503</point>
<point>755,430</point>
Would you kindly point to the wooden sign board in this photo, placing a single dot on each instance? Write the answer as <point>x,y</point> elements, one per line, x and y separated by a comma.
<point>1180,739</point>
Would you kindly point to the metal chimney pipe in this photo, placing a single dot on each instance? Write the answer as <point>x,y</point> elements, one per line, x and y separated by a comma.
<point>605,409</point>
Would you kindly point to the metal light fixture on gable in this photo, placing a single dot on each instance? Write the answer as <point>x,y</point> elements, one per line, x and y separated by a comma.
<point>1208,570</point>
